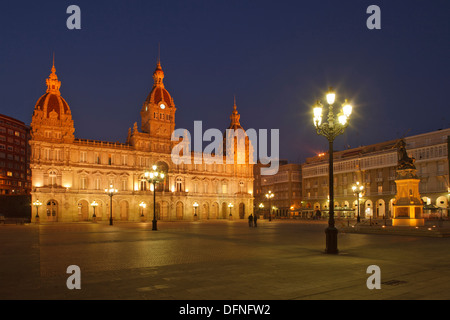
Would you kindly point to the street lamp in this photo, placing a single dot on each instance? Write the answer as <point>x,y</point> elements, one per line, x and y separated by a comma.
<point>94,204</point>
<point>331,129</point>
<point>270,195</point>
<point>230,205</point>
<point>195,205</point>
<point>358,189</point>
<point>111,192</point>
<point>261,206</point>
<point>37,204</point>
<point>143,206</point>
<point>154,177</point>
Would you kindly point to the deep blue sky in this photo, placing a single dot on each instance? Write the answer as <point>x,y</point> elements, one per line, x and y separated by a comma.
<point>277,57</point>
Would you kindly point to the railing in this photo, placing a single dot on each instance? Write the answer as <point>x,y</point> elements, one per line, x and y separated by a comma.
<point>98,143</point>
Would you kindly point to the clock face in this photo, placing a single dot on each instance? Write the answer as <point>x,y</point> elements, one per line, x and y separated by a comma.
<point>162,106</point>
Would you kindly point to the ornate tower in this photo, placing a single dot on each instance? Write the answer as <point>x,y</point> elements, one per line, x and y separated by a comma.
<point>236,137</point>
<point>52,119</point>
<point>158,110</point>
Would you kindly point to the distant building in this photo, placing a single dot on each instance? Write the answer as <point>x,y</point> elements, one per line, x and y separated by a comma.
<point>15,175</point>
<point>286,187</point>
<point>374,166</point>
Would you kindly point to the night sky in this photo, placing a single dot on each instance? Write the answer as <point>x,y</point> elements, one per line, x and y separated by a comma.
<point>277,57</point>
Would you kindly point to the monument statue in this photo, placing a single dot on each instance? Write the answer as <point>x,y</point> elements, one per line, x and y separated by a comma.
<point>404,161</point>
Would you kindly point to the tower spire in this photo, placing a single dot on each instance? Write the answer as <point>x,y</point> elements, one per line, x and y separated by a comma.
<point>158,75</point>
<point>159,55</point>
<point>53,84</point>
<point>235,116</point>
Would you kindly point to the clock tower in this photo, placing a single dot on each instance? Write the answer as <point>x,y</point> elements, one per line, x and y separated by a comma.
<point>158,110</point>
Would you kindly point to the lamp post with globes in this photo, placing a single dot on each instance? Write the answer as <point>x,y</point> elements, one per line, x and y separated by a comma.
<point>269,195</point>
<point>143,205</point>
<point>261,206</point>
<point>94,204</point>
<point>154,177</point>
<point>195,205</point>
<point>37,204</point>
<point>230,205</point>
<point>111,192</point>
<point>357,190</point>
<point>331,129</point>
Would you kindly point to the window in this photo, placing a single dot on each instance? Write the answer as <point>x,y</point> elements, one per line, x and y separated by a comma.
<point>124,159</point>
<point>224,188</point>
<point>47,154</point>
<point>380,189</point>
<point>83,156</point>
<point>52,178</point>
<point>58,155</point>
<point>124,185</point>
<point>97,183</point>
<point>241,186</point>
<point>179,184</point>
<point>83,183</point>
<point>97,158</point>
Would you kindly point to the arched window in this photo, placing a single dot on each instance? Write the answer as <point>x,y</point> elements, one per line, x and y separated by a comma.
<point>179,184</point>
<point>52,175</point>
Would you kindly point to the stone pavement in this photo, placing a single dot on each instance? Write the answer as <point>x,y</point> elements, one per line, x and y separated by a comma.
<point>217,260</point>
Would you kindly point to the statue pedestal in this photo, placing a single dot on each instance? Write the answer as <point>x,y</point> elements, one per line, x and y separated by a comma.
<point>407,222</point>
<point>408,207</point>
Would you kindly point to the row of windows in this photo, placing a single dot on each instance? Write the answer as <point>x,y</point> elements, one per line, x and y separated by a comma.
<point>12,149</point>
<point>12,140</point>
<point>114,159</point>
<point>11,165</point>
<point>6,182</point>
<point>12,132</point>
<point>162,116</point>
<point>11,157</point>
<point>12,174</point>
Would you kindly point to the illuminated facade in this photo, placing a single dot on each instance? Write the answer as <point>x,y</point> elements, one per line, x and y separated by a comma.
<point>68,174</point>
<point>286,185</point>
<point>375,166</point>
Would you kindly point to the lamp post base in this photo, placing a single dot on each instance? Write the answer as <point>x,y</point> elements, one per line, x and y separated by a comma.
<point>331,240</point>
<point>154,226</point>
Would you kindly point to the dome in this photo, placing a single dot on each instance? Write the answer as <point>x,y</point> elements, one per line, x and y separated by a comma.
<point>52,118</point>
<point>51,103</point>
<point>159,93</point>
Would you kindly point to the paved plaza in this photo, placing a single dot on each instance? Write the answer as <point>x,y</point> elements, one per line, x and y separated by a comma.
<point>217,260</point>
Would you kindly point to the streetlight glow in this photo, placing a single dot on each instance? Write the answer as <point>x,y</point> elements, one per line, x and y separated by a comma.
<point>331,129</point>
<point>154,177</point>
<point>331,96</point>
<point>111,192</point>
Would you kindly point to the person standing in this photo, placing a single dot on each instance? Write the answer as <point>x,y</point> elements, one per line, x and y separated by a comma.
<point>250,220</point>
<point>255,218</point>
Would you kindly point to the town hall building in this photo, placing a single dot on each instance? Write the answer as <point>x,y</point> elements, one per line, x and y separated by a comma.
<point>71,174</point>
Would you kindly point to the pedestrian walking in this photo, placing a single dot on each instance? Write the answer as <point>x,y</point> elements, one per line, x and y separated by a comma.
<point>255,218</point>
<point>250,220</point>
